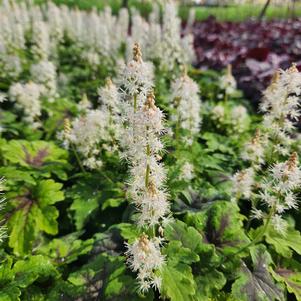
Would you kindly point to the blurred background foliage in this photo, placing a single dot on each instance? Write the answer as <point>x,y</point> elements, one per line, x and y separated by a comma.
<point>221,10</point>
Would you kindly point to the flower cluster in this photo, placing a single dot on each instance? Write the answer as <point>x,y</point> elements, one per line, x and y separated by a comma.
<point>144,257</point>
<point>86,134</point>
<point>280,105</point>
<point>243,182</point>
<point>27,99</point>
<point>254,151</point>
<point>187,172</point>
<point>166,43</point>
<point>140,138</point>
<point>187,103</point>
<point>274,190</point>
<point>277,192</point>
<point>40,40</point>
<point>136,79</point>
<point>232,119</point>
<point>44,73</point>
<point>147,173</point>
<point>228,82</point>
<point>174,50</point>
<point>110,104</point>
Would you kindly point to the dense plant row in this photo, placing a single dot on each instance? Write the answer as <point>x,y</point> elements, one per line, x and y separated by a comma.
<point>255,49</point>
<point>130,175</point>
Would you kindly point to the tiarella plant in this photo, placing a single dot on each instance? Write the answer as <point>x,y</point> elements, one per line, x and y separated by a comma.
<point>142,129</point>
<point>187,104</point>
<point>273,177</point>
<point>111,199</point>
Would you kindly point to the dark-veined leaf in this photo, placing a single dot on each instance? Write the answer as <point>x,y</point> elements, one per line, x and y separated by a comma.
<point>256,284</point>
<point>33,213</point>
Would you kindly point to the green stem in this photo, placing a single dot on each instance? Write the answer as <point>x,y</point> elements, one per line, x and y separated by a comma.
<point>77,158</point>
<point>256,239</point>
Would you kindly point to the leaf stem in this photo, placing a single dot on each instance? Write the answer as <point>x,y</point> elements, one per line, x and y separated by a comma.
<point>78,159</point>
<point>256,239</point>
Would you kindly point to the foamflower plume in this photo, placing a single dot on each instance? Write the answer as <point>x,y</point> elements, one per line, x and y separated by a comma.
<point>281,107</point>
<point>271,183</point>
<point>142,127</point>
<point>145,258</point>
<point>187,104</point>
<point>228,82</point>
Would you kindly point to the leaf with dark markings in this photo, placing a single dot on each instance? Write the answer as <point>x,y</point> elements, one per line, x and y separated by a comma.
<point>256,284</point>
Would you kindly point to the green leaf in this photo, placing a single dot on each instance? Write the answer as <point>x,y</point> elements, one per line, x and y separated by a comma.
<point>14,175</point>
<point>116,202</point>
<point>48,192</point>
<point>188,236</point>
<point>36,267</point>
<point>32,214</point>
<point>178,283</point>
<point>128,231</point>
<point>284,243</point>
<point>216,142</point>
<point>209,283</point>
<point>18,279</point>
<point>22,230</point>
<point>63,288</point>
<point>220,225</point>
<point>67,249</point>
<point>85,201</point>
<point>185,243</point>
<point>290,275</point>
<point>39,156</point>
<point>177,253</point>
<point>10,293</point>
<point>106,274</point>
<point>257,284</point>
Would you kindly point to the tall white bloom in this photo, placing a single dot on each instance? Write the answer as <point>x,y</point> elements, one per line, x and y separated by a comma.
<point>147,173</point>
<point>84,105</point>
<point>243,182</point>
<point>228,82</point>
<point>254,151</point>
<point>142,127</point>
<point>44,73</point>
<point>56,29</point>
<point>40,40</point>
<point>11,65</point>
<point>172,51</point>
<point>86,134</point>
<point>281,107</point>
<point>145,258</point>
<point>187,102</point>
<point>121,27</point>
<point>111,105</point>
<point>187,172</point>
<point>27,99</point>
<point>109,97</point>
<point>18,37</point>
<point>278,191</point>
<point>139,32</point>
<point>136,79</point>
